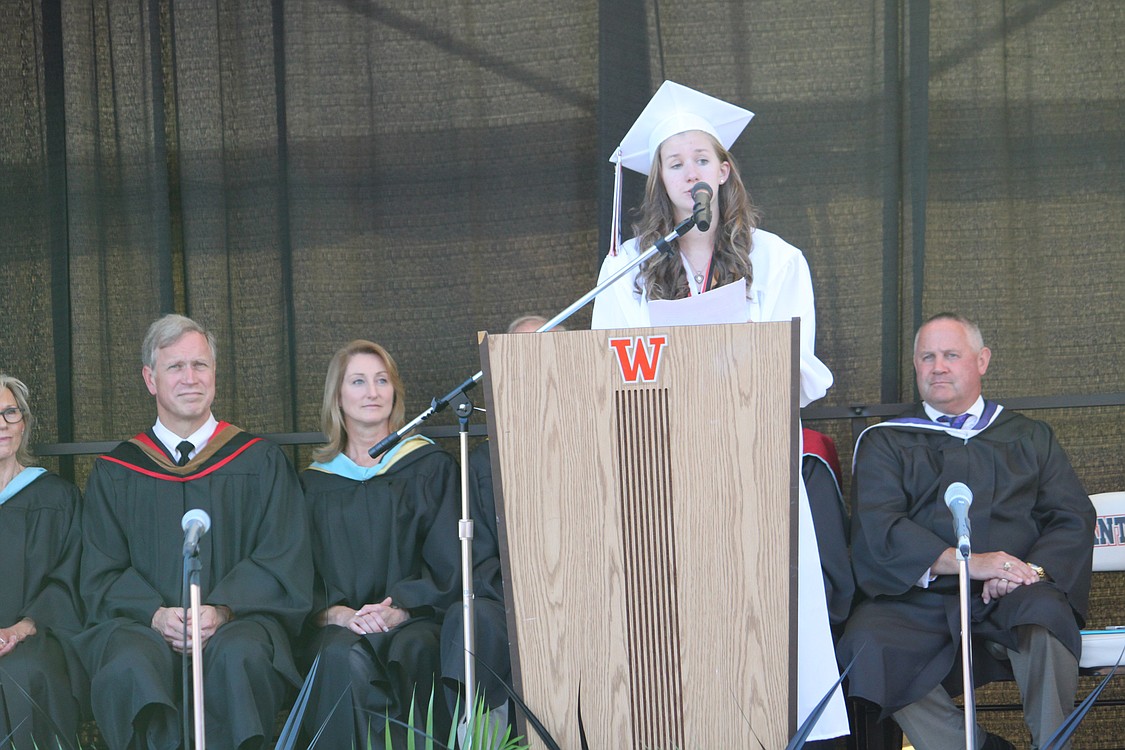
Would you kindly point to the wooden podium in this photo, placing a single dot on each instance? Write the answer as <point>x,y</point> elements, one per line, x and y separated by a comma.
<point>646,487</point>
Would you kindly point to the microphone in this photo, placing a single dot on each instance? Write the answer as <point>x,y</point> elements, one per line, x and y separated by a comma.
<point>195,524</point>
<point>702,193</point>
<point>958,498</point>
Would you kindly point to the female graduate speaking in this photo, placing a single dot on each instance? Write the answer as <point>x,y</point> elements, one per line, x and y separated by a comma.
<point>680,139</point>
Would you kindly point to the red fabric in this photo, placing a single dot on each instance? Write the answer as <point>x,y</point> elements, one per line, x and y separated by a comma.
<point>133,456</point>
<point>820,445</point>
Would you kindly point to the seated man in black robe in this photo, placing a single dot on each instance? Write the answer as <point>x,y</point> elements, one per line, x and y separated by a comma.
<point>1032,525</point>
<point>256,563</point>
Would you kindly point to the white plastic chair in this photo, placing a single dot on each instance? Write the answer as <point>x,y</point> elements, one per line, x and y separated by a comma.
<point>1102,648</point>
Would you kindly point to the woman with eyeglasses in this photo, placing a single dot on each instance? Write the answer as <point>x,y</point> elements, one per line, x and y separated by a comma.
<point>39,603</point>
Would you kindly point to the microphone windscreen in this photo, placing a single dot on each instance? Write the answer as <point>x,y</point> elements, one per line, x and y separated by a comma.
<point>958,491</point>
<point>196,515</point>
<point>701,187</point>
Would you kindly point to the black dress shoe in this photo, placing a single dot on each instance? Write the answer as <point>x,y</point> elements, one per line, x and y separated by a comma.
<point>996,742</point>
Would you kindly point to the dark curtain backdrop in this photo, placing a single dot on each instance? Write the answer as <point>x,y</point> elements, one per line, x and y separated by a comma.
<point>297,174</point>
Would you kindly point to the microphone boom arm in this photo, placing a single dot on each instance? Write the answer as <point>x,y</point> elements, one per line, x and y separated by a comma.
<point>663,244</point>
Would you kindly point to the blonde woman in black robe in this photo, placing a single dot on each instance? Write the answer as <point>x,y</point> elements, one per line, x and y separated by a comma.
<point>386,553</point>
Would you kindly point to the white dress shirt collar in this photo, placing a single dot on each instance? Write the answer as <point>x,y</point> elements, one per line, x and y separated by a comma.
<point>199,438</point>
<point>975,411</point>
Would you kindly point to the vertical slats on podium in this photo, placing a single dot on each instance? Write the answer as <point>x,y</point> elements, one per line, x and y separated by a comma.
<point>649,542</point>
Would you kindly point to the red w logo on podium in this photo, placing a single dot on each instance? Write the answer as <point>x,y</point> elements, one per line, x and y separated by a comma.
<point>639,358</point>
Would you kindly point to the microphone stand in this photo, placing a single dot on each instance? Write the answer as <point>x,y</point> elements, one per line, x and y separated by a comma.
<point>196,649</point>
<point>464,408</point>
<point>963,554</point>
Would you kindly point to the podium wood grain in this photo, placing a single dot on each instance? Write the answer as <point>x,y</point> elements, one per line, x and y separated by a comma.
<point>647,532</point>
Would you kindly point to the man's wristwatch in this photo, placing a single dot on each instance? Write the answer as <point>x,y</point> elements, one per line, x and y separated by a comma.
<point>1038,571</point>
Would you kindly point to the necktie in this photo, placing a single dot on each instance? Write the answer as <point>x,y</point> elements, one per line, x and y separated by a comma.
<point>955,422</point>
<point>184,449</point>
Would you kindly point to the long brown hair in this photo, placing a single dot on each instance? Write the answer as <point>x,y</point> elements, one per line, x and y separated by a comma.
<point>332,416</point>
<point>663,277</point>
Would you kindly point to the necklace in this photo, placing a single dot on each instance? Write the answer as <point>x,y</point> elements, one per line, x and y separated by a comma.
<point>700,278</point>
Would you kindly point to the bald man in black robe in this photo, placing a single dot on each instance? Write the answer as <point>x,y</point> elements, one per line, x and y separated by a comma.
<point>1032,531</point>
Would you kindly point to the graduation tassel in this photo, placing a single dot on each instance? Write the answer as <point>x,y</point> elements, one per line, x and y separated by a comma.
<point>615,225</point>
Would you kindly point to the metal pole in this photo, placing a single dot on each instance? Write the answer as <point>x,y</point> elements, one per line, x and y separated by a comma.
<point>967,653</point>
<point>197,662</point>
<point>465,531</point>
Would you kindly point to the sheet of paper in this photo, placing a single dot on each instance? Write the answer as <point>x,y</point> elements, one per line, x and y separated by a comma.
<point>727,304</point>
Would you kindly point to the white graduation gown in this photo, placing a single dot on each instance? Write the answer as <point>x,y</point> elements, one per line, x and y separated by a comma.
<point>781,290</point>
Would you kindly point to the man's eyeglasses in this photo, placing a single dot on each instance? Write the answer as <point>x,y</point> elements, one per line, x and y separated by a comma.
<point>12,415</point>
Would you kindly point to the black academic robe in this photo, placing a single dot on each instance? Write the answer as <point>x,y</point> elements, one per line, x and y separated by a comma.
<point>40,542</point>
<point>1027,502</point>
<point>255,559</point>
<point>820,469</point>
<point>392,535</point>
<point>493,663</point>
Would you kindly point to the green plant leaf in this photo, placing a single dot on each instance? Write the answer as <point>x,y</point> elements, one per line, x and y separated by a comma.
<point>35,706</point>
<point>532,719</point>
<point>1063,734</point>
<point>287,739</point>
<point>806,727</point>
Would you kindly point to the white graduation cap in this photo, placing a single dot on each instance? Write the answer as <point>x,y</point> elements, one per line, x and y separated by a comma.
<point>673,109</point>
